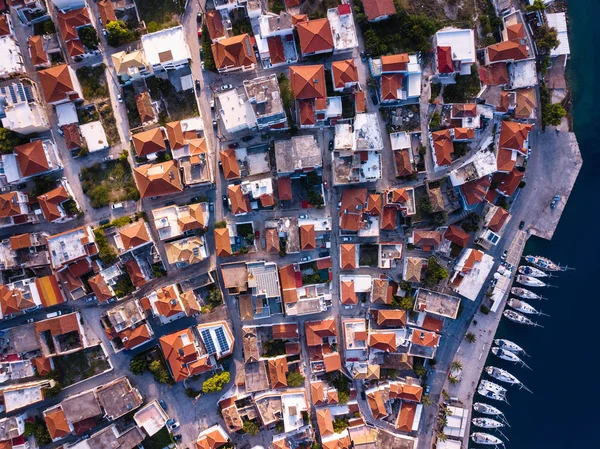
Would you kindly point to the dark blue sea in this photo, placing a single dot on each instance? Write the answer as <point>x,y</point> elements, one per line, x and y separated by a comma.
<point>564,411</point>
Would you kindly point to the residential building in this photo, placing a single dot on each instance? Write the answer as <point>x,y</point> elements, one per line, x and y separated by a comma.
<point>436,303</point>
<point>174,221</point>
<point>377,10</point>
<point>37,52</point>
<point>71,246</point>
<point>14,209</point>
<point>402,200</point>
<point>126,327</point>
<point>18,396</point>
<point>455,53</point>
<point>21,110</point>
<point>264,96</point>
<point>400,78</point>
<point>60,335</point>
<point>443,148</point>
<point>166,49</point>
<point>24,250</point>
<point>59,84</point>
<point>58,205</point>
<point>558,21</point>
<point>132,236</point>
<point>315,37</point>
<point>343,31</point>
<point>212,438</point>
<point>184,355</point>
<point>470,273</point>
<point>513,145</point>
<point>11,60</point>
<point>157,179</point>
<point>69,23</point>
<point>130,66</point>
<point>345,74</point>
<point>148,143</point>
<point>494,222</point>
<point>235,112</point>
<point>187,251</point>
<point>297,156</point>
<point>233,54</point>
<point>514,46</point>
<point>426,240</point>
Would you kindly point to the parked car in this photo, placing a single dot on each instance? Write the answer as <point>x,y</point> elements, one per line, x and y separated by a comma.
<point>256,234</point>
<point>211,207</point>
<point>233,145</point>
<point>215,124</point>
<point>174,425</point>
<point>331,145</point>
<point>201,55</point>
<point>120,98</point>
<point>305,259</point>
<point>108,158</point>
<point>226,87</point>
<point>521,225</point>
<point>504,254</point>
<point>339,206</point>
<point>170,203</point>
<point>199,17</point>
<point>198,88</point>
<point>80,176</point>
<point>202,66</point>
<point>21,186</point>
<point>225,201</point>
<point>104,222</point>
<point>30,320</point>
<point>117,206</point>
<point>346,239</point>
<point>163,404</point>
<point>324,254</point>
<point>53,314</point>
<point>212,104</point>
<point>177,437</point>
<point>200,33</point>
<point>363,56</point>
<point>303,217</point>
<point>247,138</point>
<point>427,389</point>
<point>374,98</point>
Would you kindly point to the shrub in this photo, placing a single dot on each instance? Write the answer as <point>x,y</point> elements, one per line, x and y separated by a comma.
<point>216,383</point>
<point>106,253</point>
<point>8,140</point>
<point>160,372</point>
<point>88,37</point>
<point>118,33</point>
<point>39,432</point>
<point>295,379</point>
<point>220,224</point>
<point>340,424</point>
<point>484,309</point>
<point>434,273</point>
<point>138,365</point>
<point>52,392</point>
<point>250,427</point>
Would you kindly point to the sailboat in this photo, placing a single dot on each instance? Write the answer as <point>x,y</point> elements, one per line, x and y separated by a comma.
<point>516,317</point>
<point>544,263</point>
<point>486,439</point>
<point>530,281</point>
<point>492,390</point>
<point>524,293</point>
<point>487,423</point>
<point>486,409</point>
<point>532,271</point>
<point>509,346</point>
<point>523,307</point>
<point>508,356</point>
<point>504,376</point>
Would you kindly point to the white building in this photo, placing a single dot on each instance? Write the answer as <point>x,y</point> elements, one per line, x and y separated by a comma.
<point>342,28</point>
<point>455,53</point>
<point>94,135</point>
<point>236,113</point>
<point>20,108</point>
<point>470,273</point>
<point>559,21</point>
<point>11,61</point>
<point>166,49</point>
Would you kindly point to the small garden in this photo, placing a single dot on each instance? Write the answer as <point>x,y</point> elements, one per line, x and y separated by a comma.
<point>39,431</point>
<point>273,348</point>
<point>178,105</point>
<point>80,365</point>
<point>133,116</point>
<point>108,183</point>
<point>159,440</point>
<point>108,122</point>
<point>368,255</point>
<point>120,33</point>
<point>216,383</point>
<point>465,89</point>
<point>153,361</point>
<point>158,14</point>
<point>212,299</point>
<point>93,82</point>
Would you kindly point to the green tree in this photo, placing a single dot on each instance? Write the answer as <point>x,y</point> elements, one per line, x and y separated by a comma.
<point>88,37</point>
<point>52,392</point>
<point>138,365</point>
<point>216,383</point>
<point>250,427</point>
<point>160,372</point>
<point>340,424</point>
<point>39,432</point>
<point>42,184</point>
<point>538,5</point>
<point>547,39</point>
<point>434,273</point>
<point>209,61</point>
<point>287,96</point>
<point>470,337</point>
<point>419,370</point>
<point>118,33</point>
<point>435,122</point>
<point>8,140</point>
<point>295,379</point>
<point>453,380</point>
<point>553,114</point>
<point>426,400</point>
<point>220,224</point>
<point>315,198</point>
<point>343,397</point>
<point>456,365</point>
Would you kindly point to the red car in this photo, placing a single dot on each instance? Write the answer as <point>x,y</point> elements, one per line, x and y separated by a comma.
<point>199,33</point>
<point>256,234</point>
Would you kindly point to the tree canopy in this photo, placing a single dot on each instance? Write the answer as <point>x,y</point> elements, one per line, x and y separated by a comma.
<point>216,383</point>
<point>118,33</point>
<point>553,114</point>
<point>295,379</point>
<point>8,140</point>
<point>547,39</point>
<point>88,37</point>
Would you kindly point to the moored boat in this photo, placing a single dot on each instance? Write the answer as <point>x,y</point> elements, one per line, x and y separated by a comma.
<point>516,317</point>
<point>523,307</point>
<point>487,423</point>
<point>492,390</point>
<point>524,293</point>
<point>543,263</point>
<point>532,271</point>
<point>504,376</point>
<point>486,439</point>
<point>530,281</point>
<point>486,409</point>
<point>508,356</point>
<point>509,345</point>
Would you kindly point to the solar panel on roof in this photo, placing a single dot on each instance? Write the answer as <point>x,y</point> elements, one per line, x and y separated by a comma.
<point>21,92</point>
<point>13,96</point>
<point>221,340</point>
<point>28,94</point>
<point>208,342</point>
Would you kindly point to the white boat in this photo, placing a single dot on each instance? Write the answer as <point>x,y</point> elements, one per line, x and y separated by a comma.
<point>486,439</point>
<point>532,271</point>
<point>523,307</point>
<point>504,376</point>
<point>524,293</point>
<point>530,281</point>
<point>492,390</point>
<point>487,423</point>
<point>508,356</point>
<point>486,409</point>
<point>509,346</point>
<point>543,263</point>
<point>516,317</point>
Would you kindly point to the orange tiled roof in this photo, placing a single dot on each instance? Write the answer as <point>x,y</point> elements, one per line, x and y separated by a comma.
<point>56,82</point>
<point>167,303</point>
<point>100,288</point>
<point>134,235</point>
<point>149,142</point>
<point>394,63</point>
<point>325,421</point>
<point>315,36</point>
<point>9,205</point>
<point>278,368</point>
<point>442,147</point>
<point>513,136</point>
<point>175,135</point>
<point>390,83</point>
<point>526,103</point>
<point>37,52</point>
<point>374,204</point>
<point>233,51</point>
<point>424,338</point>
<point>308,81</point>
<point>391,318</point>
<point>214,24</point>
<point>375,400</point>
<point>158,179</point>
<point>457,235</point>
<point>444,59</point>
<point>507,51</point>
<point>427,238</point>
<point>406,417</point>
<point>464,133</point>
<point>494,75</point>
<point>379,291</point>
<point>272,240</point>
<point>508,182</point>
<point>143,103</point>
<point>57,423</point>
<point>284,188</point>
<point>276,51</point>
<point>317,330</point>
<point>135,273</point>
<point>348,257</point>
<point>212,440</point>
<point>31,158</point>
<point>348,294</point>
<point>515,32</point>
<point>43,365</point>
<point>360,102</point>
<point>464,110</point>
<point>306,109</point>
<point>498,219</point>
<point>223,242</point>
<point>388,218</point>
<point>134,337</point>
<point>475,191</point>
<point>50,201</point>
<point>182,356</point>
<point>307,237</point>
<point>72,135</point>
<point>229,163</point>
<point>378,8</point>
<point>344,72</point>
<point>384,341</point>
<point>106,11</point>
<point>403,165</point>
<point>239,201</point>
<point>20,241</point>
<point>68,24</point>
<point>4,25</point>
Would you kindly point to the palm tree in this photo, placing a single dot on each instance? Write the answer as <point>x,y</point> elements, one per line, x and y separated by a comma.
<point>453,380</point>
<point>426,400</point>
<point>442,436</point>
<point>446,395</point>
<point>456,366</point>
<point>470,337</point>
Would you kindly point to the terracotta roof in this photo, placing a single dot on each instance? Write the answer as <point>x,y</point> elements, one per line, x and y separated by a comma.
<point>284,188</point>
<point>396,196</point>
<point>325,421</point>
<point>31,158</point>
<point>157,179</point>
<point>182,356</point>
<point>149,142</point>
<point>135,273</point>
<point>374,204</point>
<point>375,400</point>
<point>384,341</point>
<point>317,392</point>
<point>348,295</point>
<point>403,165</point>
<point>272,240</point>
<point>43,365</point>
<point>223,242</point>
<point>513,136</point>
<point>276,51</point>
<point>308,81</point>
<point>36,50</point>
<point>297,18</point>
<point>406,392</point>
<point>9,205</point>
<point>50,201</point>
<point>432,324</point>
<point>56,83</point>
<point>68,24</point>
<point>100,288</point>
<point>494,75</point>
<point>379,291</point>
<point>307,237</point>
<point>391,318</point>
<point>353,203</point>
<point>106,11</point>
<point>498,219</point>
<point>277,369</point>
<point>4,25</point>
<point>175,135</point>
<point>306,109</point>
<point>229,163</point>
<point>388,218</point>
<point>20,241</point>
<point>444,59</point>
<point>390,83</point>
<point>143,103</point>
<point>214,23</point>
<point>474,191</point>
<point>473,258</point>
<point>58,326</point>
<point>464,133</point>
<point>443,147</point>
<point>134,235</point>
<point>426,238</point>
<point>13,301</point>
<point>239,202</point>
<point>394,63</point>
<point>233,51</point>
<point>504,103</point>
<point>506,160</point>
<point>457,235</point>
<point>284,331</point>
<point>212,440</point>
<point>344,72</point>
<point>166,301</point>
<point>515,32</point>
<point>287,276</point>
<point>464,110</point>
<point>315,36</point>
<point>57,423</point>
<point>317,330</point>
<point>292,3</point>
<point>424,338</point>
<point>332,361</point>
<point>508,182</point>
<point>360,102</point>
<point>135,337</point>
<point>507,51</point>
<point>348,256</point>
<point>526,103</point>
<point>406,417</point>
<point>72,135</point>
<point>378,8</point>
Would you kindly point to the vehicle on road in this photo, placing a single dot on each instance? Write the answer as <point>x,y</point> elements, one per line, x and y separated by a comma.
<point>177,437</point>
<point>521,225</point>
<point>303,217</point>
<point>234,145</point>
<point>53,314</point>
<point>324,254</point>
<point>202,66</point>
<point>346,239</point>
<point>174,425</point>
<point>120,98</point>
<point>117,206</point>
<point>212,104</point>
<point>555,201</point>
<point>225,202</point>
<point>374,98</point>
<point>256,234</point>
<point>427,389</point>
<point>200,33</point>
<point>363,56</point>
<point>199,17</point>
<point>198,87</point>
<point>108,158</point>
<point>163,404</point>
<point>226,87</point>
<point>305,259</point>
<point>21,186</point>
<point>201,55</point>
<point>504,254</point>
<point>331,145</point>
<point>30,320</point>
<point>339,206</point>
<point>211,207</point>
<point>104,222</point>
<point>80,176</point>
<point>215,124</point>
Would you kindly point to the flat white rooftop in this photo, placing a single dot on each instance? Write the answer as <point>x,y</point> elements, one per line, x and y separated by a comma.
<point>482,163</point>
<point>292,405</point>
<point>94,136</point>
<point>166,46</point>
<point>362,282</point>
<point>558,20</point>
<point>400,141</point>
<point>473,281</point>
<point>367,133</point>
<point>522,74</point>
<point>66,113</point>
<point>236,113</point>
<point>461,41</point>
<point>10,57</point>
<point>342,29</point>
